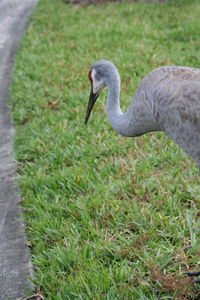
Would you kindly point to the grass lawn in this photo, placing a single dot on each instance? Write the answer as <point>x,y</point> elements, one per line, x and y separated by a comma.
<point>107,217</point>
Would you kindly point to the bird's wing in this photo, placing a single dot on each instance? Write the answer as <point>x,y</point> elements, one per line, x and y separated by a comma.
<point>180,120</point>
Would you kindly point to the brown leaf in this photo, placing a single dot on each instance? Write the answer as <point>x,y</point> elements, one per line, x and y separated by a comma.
<point>50,105</point>
<point>33,297</point>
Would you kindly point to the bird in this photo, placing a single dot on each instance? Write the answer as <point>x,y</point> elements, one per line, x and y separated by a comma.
<point>167,100</point>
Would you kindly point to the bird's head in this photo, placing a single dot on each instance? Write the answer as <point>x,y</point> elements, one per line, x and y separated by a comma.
<point>101,74</point>
<point>97,85</point>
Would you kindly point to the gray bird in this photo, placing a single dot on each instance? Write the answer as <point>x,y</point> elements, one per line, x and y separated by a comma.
<point>167,99</point>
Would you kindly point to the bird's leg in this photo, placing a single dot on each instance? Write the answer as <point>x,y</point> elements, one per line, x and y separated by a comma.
<point>194,274</point>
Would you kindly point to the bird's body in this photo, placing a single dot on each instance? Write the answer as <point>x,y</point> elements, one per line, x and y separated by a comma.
<point>167,99</point>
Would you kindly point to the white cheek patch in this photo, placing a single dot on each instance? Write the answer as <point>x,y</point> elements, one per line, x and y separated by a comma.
<point>97,84</point>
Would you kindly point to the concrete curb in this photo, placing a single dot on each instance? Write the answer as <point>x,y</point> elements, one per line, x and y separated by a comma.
<point>15,264</point>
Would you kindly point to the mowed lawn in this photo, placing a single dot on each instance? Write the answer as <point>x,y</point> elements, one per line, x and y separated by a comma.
<point>107,217</point>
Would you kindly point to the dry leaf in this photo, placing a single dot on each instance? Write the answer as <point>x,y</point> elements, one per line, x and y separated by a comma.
<point>33,297</point>
<point>50,105</point>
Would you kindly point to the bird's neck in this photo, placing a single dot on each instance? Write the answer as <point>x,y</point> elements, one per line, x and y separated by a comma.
<point>113,109</point>
<point>132,122</point>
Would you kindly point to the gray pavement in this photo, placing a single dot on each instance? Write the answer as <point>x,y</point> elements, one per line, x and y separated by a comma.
<point>15,264</point>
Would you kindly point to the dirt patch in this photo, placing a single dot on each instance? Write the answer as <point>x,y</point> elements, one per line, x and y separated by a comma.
<point>183,286</point>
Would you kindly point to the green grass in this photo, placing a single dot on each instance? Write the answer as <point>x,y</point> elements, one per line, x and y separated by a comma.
<point>107,217</point>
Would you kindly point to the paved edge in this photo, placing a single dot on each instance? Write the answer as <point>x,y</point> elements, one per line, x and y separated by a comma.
<point>15,263</point>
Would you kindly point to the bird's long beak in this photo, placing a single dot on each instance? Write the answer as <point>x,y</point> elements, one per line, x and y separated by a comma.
<point>92,100</point>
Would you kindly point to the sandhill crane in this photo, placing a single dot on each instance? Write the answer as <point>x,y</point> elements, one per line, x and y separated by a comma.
<point>167,99</point>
